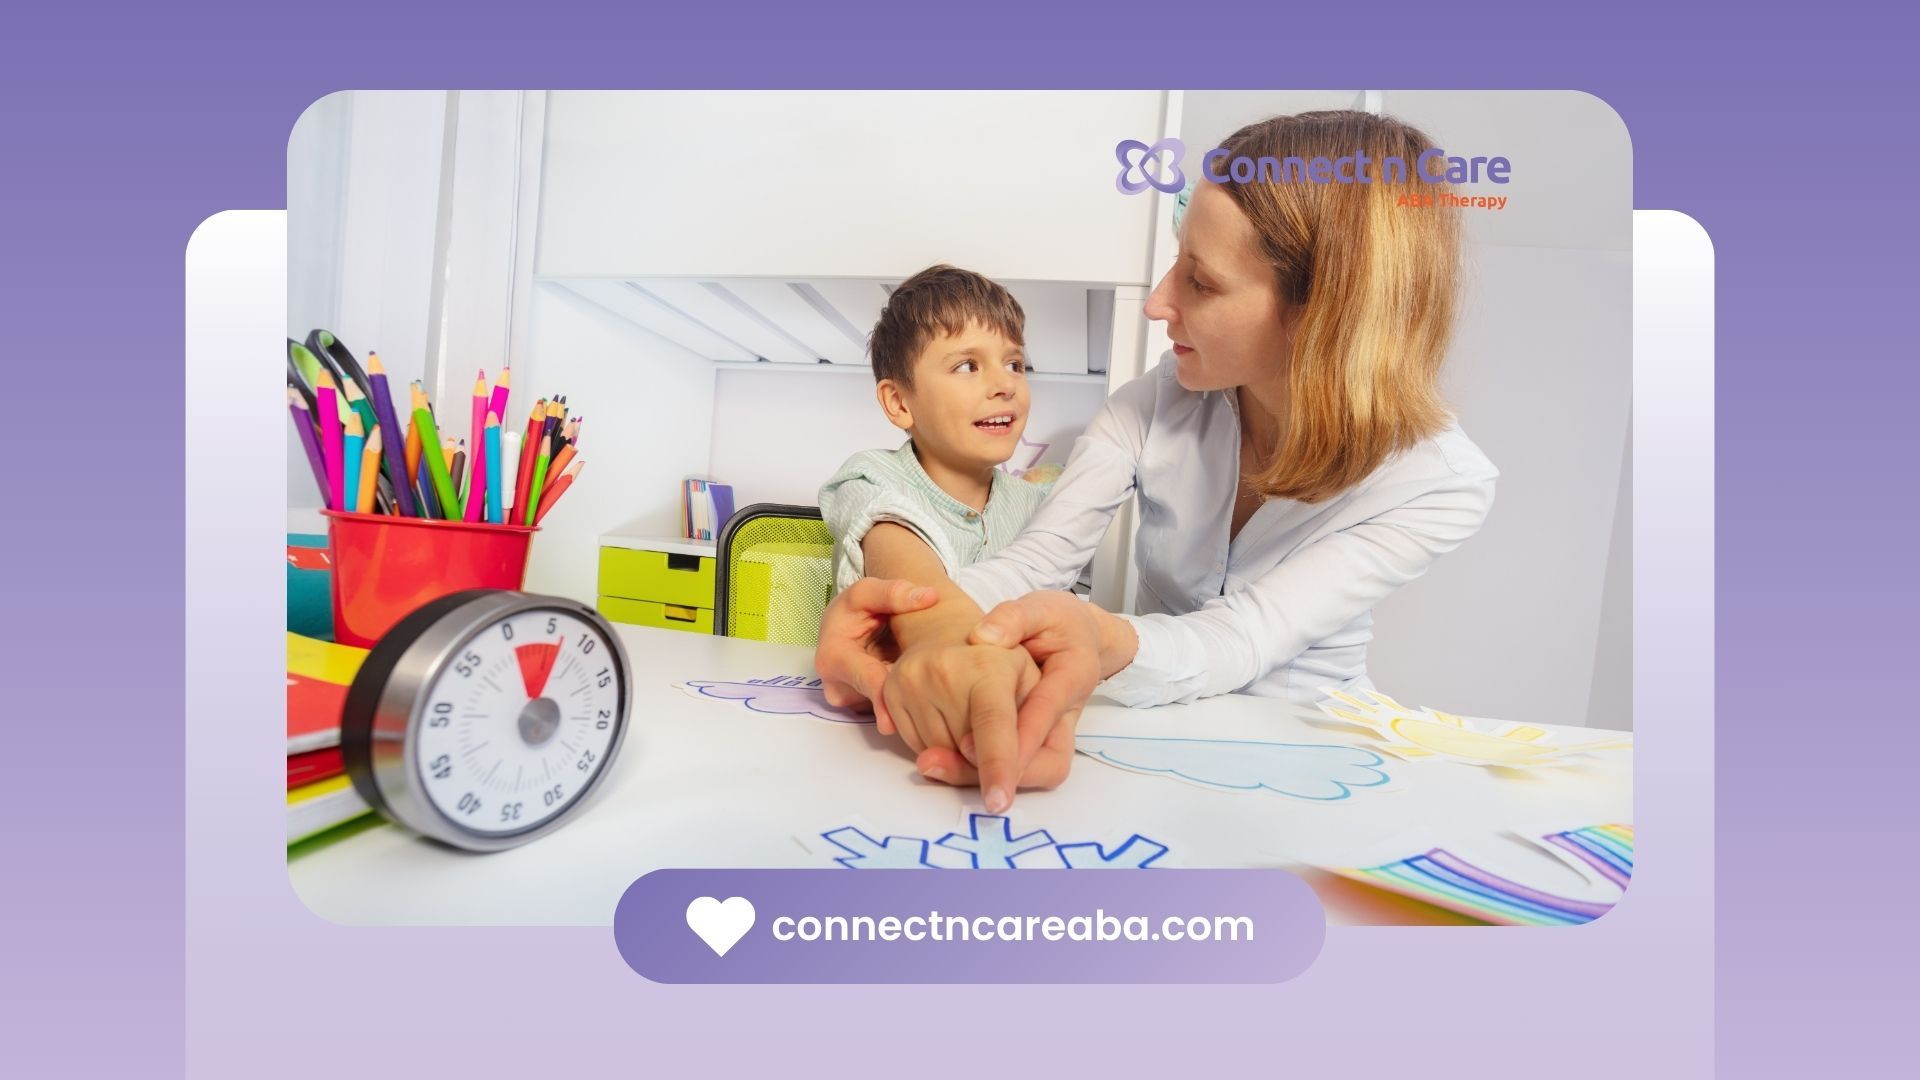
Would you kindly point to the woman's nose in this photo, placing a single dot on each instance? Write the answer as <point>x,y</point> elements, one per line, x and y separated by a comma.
<point>1159,307</point>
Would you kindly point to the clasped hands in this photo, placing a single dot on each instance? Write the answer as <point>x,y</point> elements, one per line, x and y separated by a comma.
<point>991,701</point>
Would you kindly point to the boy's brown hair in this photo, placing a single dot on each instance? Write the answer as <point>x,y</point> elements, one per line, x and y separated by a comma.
<point>938,300</point>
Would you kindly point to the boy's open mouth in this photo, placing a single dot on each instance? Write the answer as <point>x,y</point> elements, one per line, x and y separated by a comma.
<point>1000,424</point>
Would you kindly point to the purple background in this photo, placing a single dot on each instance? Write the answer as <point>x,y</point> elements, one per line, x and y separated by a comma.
<point>649,926</point>
<point>1786,135</point>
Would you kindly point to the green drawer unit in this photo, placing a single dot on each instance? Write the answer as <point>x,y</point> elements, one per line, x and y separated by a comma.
<point>659,576</point>
<point>698,620</point>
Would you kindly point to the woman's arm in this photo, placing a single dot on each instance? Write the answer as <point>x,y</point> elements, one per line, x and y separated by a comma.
<point>1236,639</point>
<point>1061,538</point>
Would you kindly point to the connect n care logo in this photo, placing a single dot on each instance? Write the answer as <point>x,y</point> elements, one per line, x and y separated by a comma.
<point>1158,166</point>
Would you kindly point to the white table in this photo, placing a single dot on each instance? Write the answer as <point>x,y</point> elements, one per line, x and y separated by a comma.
<point>703,783</point>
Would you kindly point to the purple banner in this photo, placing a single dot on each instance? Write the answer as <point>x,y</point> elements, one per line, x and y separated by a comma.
<point>839,926</point>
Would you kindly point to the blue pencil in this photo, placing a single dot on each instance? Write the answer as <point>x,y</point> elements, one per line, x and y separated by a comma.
<point>429,499</point>
<point>355,444</point>
<point>495,485</point>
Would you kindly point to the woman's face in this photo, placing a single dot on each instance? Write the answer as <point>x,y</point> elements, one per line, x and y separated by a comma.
<point>1218,300</point>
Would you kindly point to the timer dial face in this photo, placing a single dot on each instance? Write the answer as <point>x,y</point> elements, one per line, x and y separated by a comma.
<point>519,722</point>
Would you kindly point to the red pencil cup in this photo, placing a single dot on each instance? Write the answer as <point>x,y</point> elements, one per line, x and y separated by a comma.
<point>385,567</point>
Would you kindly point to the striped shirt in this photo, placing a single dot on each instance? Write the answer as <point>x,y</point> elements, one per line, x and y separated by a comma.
<point>881,485</point>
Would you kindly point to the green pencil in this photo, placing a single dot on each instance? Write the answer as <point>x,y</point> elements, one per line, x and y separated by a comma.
<point>436,462</point>
<point>539,482</point>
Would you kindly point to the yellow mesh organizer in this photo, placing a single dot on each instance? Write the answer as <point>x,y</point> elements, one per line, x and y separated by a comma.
<point>775,575</point>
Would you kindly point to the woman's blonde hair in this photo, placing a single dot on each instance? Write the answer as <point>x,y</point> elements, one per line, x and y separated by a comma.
<point>1371,286</point>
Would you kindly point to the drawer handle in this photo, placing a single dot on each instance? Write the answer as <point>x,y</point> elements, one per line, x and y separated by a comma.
<point>680,614</point>
<point>678,561</point>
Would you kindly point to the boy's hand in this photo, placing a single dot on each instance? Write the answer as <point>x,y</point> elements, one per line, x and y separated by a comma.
<point>942,697</point>
<point>1064,635</point>
<point>1048,769</point>
<point>855,650</point>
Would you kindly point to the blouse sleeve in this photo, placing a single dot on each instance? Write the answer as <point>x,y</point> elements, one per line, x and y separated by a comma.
<point>1060,540</point>
<point>1236,639</point>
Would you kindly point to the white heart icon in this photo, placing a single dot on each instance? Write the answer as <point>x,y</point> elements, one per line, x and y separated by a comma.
<point>721,924</point>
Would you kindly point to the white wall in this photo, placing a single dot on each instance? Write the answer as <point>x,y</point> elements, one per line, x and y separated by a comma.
<point>647,404</point>
<point>1014,184</point>
<point>363,192</point>
<point>779,433</point>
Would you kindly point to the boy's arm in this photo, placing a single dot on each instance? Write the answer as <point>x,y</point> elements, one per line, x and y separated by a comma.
<point>973,709</point>
<point>895,551</point>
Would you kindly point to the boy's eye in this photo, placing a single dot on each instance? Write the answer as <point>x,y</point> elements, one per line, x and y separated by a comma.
<point>1017,366</point>
<point>967,366</point>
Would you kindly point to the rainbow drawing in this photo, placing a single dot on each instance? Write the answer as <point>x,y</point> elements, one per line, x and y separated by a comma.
<point>1445,880</point>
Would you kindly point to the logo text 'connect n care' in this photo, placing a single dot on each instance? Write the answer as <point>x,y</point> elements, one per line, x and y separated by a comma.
<point>1158,167</point>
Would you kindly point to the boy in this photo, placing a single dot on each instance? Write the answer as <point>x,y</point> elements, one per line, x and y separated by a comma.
<point>950,371</point>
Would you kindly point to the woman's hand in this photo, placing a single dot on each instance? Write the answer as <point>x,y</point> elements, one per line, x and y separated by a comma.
<point>944,697</point>
<point>1048,769</point>
<point>855,650</point>
<point>1075,643</point>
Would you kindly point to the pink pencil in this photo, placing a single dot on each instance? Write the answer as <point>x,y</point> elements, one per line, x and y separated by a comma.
<point>498,406</point>
<point>477,479</point>
<point>331,447</point>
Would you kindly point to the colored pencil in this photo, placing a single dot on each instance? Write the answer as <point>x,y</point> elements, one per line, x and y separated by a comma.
<point>524,478</point>
<point>353,448</point>
<point>361,407</point>
<point>559,410</point>
<point>330,436</point>
<point>400,454</point>
<point>562,459</point>
<point>429,505</point>
<point>498,406</point>
<point>369,472</point>
<point>436,464</point>
<point>541,462</point>
<point>559,488</point>
<point>458,467</point>
<point>477,475</point>
<point>495,513</point>
<point>412,449</point>
<point>340,407</point>
<point>303,422</point>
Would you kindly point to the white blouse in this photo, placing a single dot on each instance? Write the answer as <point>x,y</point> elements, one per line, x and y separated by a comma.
<point>1283,610</point>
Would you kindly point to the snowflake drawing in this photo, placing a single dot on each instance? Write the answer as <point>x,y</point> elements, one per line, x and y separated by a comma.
<point>994,848</point>
<point>780,695</point>
<point>989,843</point>
<point>863,852</point>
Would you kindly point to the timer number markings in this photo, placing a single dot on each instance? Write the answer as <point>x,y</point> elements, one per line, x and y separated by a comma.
<point>510,682</point>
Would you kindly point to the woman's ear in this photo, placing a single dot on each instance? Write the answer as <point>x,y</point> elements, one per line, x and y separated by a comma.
<point>893,402</point>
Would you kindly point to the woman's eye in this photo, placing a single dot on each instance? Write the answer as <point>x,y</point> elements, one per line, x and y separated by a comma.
<point>1197,287</point>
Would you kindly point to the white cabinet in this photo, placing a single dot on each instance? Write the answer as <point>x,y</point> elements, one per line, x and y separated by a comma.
<point>1069,326</point>
<point>866,185</point>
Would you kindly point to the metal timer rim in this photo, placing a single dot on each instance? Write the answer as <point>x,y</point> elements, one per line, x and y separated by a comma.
<point>387,704</point>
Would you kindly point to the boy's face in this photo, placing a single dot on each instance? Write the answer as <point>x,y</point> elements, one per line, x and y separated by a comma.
<point>968,403</point>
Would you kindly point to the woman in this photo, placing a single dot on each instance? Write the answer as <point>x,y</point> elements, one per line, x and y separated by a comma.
<point>1293,462</point>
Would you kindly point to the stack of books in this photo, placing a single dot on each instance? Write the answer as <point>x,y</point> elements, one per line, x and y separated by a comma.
<point>319,794</point>
<point>705,507</point>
